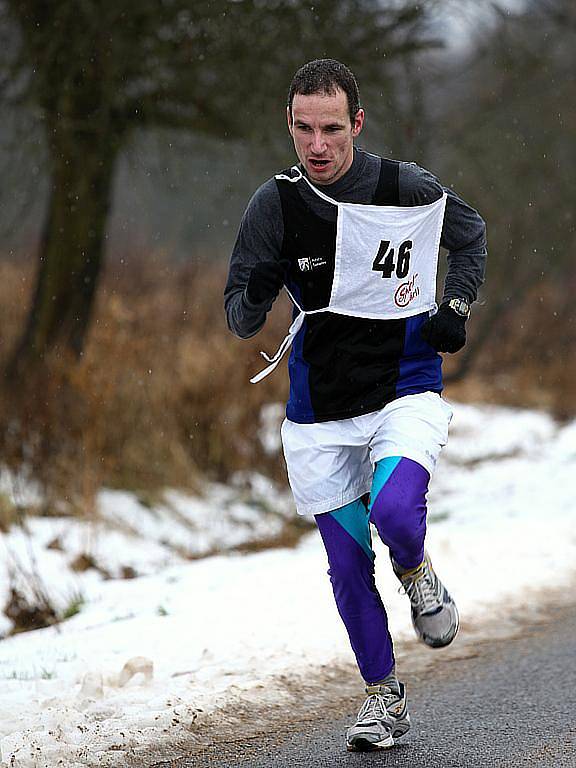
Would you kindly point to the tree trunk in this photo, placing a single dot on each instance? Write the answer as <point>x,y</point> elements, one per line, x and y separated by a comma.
<point>71,247</point>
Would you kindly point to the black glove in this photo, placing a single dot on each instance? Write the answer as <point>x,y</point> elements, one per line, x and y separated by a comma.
<point>446,330</point>
<point>265,281</point>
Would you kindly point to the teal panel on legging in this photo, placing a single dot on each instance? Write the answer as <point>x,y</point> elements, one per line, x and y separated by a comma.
<point>384,469</point>
<point>354,518</point>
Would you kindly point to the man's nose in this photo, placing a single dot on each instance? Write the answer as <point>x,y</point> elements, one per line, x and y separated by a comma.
<point>318,143</point>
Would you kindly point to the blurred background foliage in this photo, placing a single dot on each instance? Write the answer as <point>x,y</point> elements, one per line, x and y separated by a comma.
<point>133,135</point>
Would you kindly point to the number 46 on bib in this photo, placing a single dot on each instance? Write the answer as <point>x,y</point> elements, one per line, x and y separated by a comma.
<point>384,261</point>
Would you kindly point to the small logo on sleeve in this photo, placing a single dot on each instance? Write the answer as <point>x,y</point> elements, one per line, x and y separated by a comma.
<point>407,292</point>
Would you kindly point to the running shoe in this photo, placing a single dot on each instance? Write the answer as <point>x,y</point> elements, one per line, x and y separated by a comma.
<point>434,613</point>
<point>382,718</point>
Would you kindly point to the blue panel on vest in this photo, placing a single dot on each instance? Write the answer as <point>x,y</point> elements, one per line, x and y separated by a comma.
<point>420,367</point>
<point>299,406</point>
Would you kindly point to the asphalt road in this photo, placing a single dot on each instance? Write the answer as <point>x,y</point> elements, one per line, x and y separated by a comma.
<point>512,704</point>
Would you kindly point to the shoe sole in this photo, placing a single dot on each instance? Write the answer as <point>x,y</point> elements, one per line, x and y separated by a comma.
<point>365,745</point>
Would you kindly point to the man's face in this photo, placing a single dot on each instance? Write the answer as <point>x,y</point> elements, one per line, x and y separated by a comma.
<point>323,134</point>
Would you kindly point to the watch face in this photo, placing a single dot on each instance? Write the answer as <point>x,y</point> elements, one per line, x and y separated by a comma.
<point>461,307</point>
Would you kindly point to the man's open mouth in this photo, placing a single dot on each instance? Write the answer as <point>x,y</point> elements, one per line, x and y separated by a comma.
<point>318,163</point>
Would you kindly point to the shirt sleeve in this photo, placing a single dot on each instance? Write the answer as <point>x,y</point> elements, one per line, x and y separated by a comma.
<point>463,232</point>
<point>259,239</point>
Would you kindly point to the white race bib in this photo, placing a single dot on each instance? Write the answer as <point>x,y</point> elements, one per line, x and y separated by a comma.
<point>386,260</point>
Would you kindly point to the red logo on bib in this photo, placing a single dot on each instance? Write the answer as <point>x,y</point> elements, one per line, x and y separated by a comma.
<point>406,292</point>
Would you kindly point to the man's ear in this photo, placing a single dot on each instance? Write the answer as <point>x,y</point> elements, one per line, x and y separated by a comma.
<point>289,119</point>
<point>358,123</point>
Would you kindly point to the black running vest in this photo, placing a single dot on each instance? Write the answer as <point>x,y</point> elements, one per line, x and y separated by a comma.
<point>342,366</point>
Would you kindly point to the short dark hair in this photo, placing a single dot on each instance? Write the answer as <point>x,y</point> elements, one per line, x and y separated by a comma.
<point>325,76</point>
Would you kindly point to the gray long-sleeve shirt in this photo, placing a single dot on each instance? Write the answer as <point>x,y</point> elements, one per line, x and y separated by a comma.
<point>261,233</point>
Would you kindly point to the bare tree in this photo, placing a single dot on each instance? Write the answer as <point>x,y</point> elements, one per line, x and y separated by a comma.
<point>509,126</point>
<point>94,71</point>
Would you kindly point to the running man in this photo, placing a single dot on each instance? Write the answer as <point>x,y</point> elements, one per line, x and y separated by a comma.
<point>354,240</point>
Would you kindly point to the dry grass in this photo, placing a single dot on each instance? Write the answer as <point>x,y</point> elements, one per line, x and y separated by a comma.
<point>530,360</point>
<point>161,395</point>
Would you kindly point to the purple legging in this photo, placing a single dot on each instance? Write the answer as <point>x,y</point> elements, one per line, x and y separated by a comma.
<point>398,510</point>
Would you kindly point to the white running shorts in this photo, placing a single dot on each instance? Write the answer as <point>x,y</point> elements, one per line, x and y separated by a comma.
<point>331,463</point>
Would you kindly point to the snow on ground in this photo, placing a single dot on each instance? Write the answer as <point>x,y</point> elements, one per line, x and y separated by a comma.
<point>130,536</point>
<point>133,669</point>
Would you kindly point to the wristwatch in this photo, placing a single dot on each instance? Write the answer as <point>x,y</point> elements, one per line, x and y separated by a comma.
<point>460,306</point>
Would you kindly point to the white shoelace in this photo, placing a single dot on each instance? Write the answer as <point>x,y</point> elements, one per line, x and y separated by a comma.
<point>374,708</point>
<point>424,591</point>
